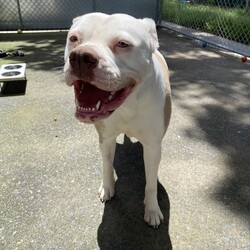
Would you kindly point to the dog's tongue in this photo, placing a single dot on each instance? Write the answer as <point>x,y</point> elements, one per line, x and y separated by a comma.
<point>88,95</point>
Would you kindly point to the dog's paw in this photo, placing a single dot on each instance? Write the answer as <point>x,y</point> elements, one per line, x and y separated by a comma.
<point>106,193</point>
<point>153,217</point>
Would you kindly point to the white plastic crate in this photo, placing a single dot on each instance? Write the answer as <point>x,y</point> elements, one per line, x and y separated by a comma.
<point>13,79</point>
<point>13,72</point>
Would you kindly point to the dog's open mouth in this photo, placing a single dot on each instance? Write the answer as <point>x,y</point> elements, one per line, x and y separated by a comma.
<point>94,104</point>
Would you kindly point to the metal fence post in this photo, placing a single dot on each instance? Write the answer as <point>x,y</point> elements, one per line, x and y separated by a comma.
<point>19,14</point>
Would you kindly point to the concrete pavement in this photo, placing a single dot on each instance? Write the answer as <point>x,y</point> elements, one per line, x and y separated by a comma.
<point>50,165</point>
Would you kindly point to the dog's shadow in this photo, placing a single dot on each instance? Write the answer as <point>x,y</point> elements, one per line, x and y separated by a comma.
<point>123,227</point>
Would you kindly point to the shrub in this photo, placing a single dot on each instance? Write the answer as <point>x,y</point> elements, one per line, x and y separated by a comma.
<point>230,23</point>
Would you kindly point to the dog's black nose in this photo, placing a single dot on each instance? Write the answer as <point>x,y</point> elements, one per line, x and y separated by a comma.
<point>90,60</point>
<point>83,61</point>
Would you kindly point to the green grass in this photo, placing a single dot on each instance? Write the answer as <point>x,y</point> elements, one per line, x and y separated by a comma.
<point>231,23</point>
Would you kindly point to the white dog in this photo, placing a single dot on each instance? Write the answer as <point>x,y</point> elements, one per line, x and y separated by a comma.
<point>121,85</point>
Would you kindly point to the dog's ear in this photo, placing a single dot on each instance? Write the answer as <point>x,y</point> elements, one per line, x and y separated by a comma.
<point>75,19</point>
<point>149,24</point>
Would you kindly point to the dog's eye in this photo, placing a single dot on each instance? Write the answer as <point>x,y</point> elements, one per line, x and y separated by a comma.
<point>122,44</point>
<point>73,38</point>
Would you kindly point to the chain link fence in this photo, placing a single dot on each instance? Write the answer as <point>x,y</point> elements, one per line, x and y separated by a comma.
<point>58,14</point>
<point>223,23</point>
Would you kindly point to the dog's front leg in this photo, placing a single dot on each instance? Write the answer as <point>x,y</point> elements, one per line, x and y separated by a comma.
<point>152,156</point>
<point>107,190</point>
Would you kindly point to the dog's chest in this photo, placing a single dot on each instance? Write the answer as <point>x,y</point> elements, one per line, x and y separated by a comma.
<point>124,120</point>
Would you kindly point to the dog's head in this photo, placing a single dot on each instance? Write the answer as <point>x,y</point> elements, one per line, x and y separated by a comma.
<point>106,57</point>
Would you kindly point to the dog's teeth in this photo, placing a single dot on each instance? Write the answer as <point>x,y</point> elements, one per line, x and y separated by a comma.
<point>81,89</point>
<point>98,105</point>
<point>111,95</point>
<point>87,109</point>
